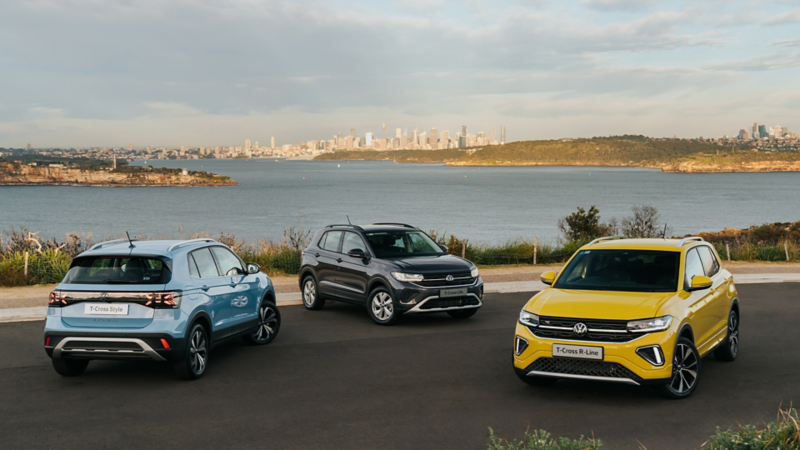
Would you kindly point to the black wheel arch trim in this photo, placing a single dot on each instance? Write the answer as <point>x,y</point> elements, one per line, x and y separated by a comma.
<point>304,273</point>
<point>686,327</point>
<point>378,281</point>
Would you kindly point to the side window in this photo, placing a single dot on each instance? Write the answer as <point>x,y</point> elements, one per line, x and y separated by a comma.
<point>205,263</point>
<point>353,241</point>
<point>693,267</point>
<point>227,260</point>
<point>331,241</point>
<point>193,267</point>
<point>710,263</point>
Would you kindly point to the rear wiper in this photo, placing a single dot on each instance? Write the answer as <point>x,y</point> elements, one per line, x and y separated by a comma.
<point>118,282</point>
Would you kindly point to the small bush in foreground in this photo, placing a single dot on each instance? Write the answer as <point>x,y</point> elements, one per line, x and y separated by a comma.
<point>541,440</point>
<point>783,434</point>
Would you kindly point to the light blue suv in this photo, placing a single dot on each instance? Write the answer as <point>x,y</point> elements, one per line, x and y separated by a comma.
<point>157,300</point>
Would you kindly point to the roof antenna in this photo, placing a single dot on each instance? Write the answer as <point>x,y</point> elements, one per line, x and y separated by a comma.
<point>664,235</point>
<point>348,220</point>
<point>129,240</point>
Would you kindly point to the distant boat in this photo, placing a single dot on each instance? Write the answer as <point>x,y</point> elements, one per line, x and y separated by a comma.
<point>339,165</point>
<point>395,160</point>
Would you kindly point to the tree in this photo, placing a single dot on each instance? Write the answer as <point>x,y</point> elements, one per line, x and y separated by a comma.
<point>643,224</point>
<point>585,225</point>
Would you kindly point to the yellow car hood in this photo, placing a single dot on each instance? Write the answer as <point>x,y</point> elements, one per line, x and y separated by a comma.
<point>612,305</point>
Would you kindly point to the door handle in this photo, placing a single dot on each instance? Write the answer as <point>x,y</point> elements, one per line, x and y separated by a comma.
<point>339,260</point>
<point>316,255</point>
<point>204,287</point>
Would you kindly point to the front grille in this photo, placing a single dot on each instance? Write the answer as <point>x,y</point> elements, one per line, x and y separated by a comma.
<point>449,302</point>
<point>582,367</point>
<point>600,330</point>
<point>440,279</point>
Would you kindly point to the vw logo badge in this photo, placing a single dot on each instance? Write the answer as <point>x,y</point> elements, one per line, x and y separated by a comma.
<point>104,295</point>
<point>449,278</point>
<point>580,329</point>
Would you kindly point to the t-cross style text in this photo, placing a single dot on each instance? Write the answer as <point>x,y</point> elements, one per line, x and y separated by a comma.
<point>157,300</point>
<point>392,269</point>
<point>636,311</point>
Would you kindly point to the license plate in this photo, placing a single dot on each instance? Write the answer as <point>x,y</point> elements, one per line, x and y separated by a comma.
<point>105,309</point>
<point>459,292</point>
<point>577,351</point>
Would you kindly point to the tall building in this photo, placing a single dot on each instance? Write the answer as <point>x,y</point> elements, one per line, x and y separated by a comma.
<point>415,139</point>
<point>398,132</point>
<point>762,132</point>
<point>434,139</point>
<point>272,143</point>
<point>130,147</point>
<point>352,133</point>
<point>444,138</point>
<point>183,150</point>
<point>247,145</point>
<point>754,131</point>
<point>503,134</point>
<point>462,141</point>
<point>464,130</point>
<point>28,147</point>
<point>369,139</point>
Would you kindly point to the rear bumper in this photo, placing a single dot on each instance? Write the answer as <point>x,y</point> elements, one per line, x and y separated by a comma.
<point>130,346</point>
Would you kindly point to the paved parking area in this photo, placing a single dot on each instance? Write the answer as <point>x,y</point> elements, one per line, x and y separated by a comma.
<point>332,379</point>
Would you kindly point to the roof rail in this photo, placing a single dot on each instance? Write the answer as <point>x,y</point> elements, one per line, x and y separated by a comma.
<point>108,243</point>
<point>683,241</point>
<point>395,223</point>
<point>345,225</point>
<point>190,241</point>
<point>607,238</point>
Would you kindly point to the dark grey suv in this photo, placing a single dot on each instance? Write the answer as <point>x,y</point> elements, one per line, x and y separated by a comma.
<point>393,269</point>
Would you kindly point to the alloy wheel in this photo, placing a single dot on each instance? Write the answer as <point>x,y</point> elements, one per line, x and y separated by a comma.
<point>268,323</point>
<point>684,374</point>
<point>198,351</point>
<point>733,333</point>
<point>309,293</point>
<point>382,307</point>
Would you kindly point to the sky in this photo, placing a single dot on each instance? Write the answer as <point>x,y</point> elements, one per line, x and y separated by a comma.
<point>217,72</point>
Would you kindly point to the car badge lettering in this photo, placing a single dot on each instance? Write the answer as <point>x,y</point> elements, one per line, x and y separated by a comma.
<point>449,278</point>
<point>580,329</point>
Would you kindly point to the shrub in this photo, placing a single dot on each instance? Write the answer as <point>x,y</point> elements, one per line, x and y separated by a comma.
<point>541,440</point>
<point>783,434</point>
<point>585,225</point>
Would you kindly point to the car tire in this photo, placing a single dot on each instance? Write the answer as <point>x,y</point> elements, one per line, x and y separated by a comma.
<point>310,294</point>
<point>462,313</point>
<point>194,362</point>
<point>534,381</point>
<point>381,307</point>
<point>686,366</point>
<point>69,367</point>
<point>269,323</point>
<point>728,349</point>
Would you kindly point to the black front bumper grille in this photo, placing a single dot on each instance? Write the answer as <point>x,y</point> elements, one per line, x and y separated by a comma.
<point>440,279</point>
<point>612,330</point>
<point>582,367</point>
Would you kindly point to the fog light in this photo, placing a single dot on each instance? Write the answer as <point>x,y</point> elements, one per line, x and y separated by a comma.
<point>651,354</point>
<point>520,345</point>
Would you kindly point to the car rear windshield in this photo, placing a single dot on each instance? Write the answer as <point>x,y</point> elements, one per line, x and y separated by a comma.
<point>622,270</point>
<point>118,270</point>
<point>402,244</point>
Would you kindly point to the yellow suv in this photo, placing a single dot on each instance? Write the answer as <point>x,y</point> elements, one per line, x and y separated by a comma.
<point>636,311</point>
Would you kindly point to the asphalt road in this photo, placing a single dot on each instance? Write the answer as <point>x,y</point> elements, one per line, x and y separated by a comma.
<point>332,379</point>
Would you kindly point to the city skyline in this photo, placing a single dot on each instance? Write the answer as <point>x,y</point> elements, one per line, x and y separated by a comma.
<point>183,73</point>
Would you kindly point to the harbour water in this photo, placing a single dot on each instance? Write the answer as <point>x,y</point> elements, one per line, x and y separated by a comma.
<point>485,204</point>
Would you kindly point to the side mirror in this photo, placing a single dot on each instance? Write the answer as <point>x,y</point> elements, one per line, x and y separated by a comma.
<point>253,268</point>
<point>700,282</point>
<point>443,247</point>
<point>357,253</point>
<point>548,277</point>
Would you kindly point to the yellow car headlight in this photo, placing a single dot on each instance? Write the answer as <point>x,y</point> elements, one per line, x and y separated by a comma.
<point>529,319</point>
<point>650,325</point>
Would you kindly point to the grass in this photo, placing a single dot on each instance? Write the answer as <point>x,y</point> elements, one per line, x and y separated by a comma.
<point>782,434</point>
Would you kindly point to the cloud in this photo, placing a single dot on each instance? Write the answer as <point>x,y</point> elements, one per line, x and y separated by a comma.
<point>772,61</point>
<point>785,18</point>
<point>618,5</point>
<point>794,42</point>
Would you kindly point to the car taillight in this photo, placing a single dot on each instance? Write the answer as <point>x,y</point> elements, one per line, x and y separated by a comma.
<point>57,299</point>
<point>163,299</point>
<point>47,341</point>
<point>165,344</point>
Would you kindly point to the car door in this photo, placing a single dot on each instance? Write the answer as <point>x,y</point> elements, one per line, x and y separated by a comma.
<point>241,305</point>
<point>329,259</point>
<point>212,285</point>
<point>719,302</point>
<point>701,316</point>
<point>352,276</point>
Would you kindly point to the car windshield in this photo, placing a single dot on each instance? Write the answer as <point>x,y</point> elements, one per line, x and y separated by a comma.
<point>402,244</point>
<point>622,270</point>
<point>118,270</point>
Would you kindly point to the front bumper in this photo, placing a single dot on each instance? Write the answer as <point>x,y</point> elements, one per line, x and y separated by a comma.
<point>621,363</point>
<point>411,298</point>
